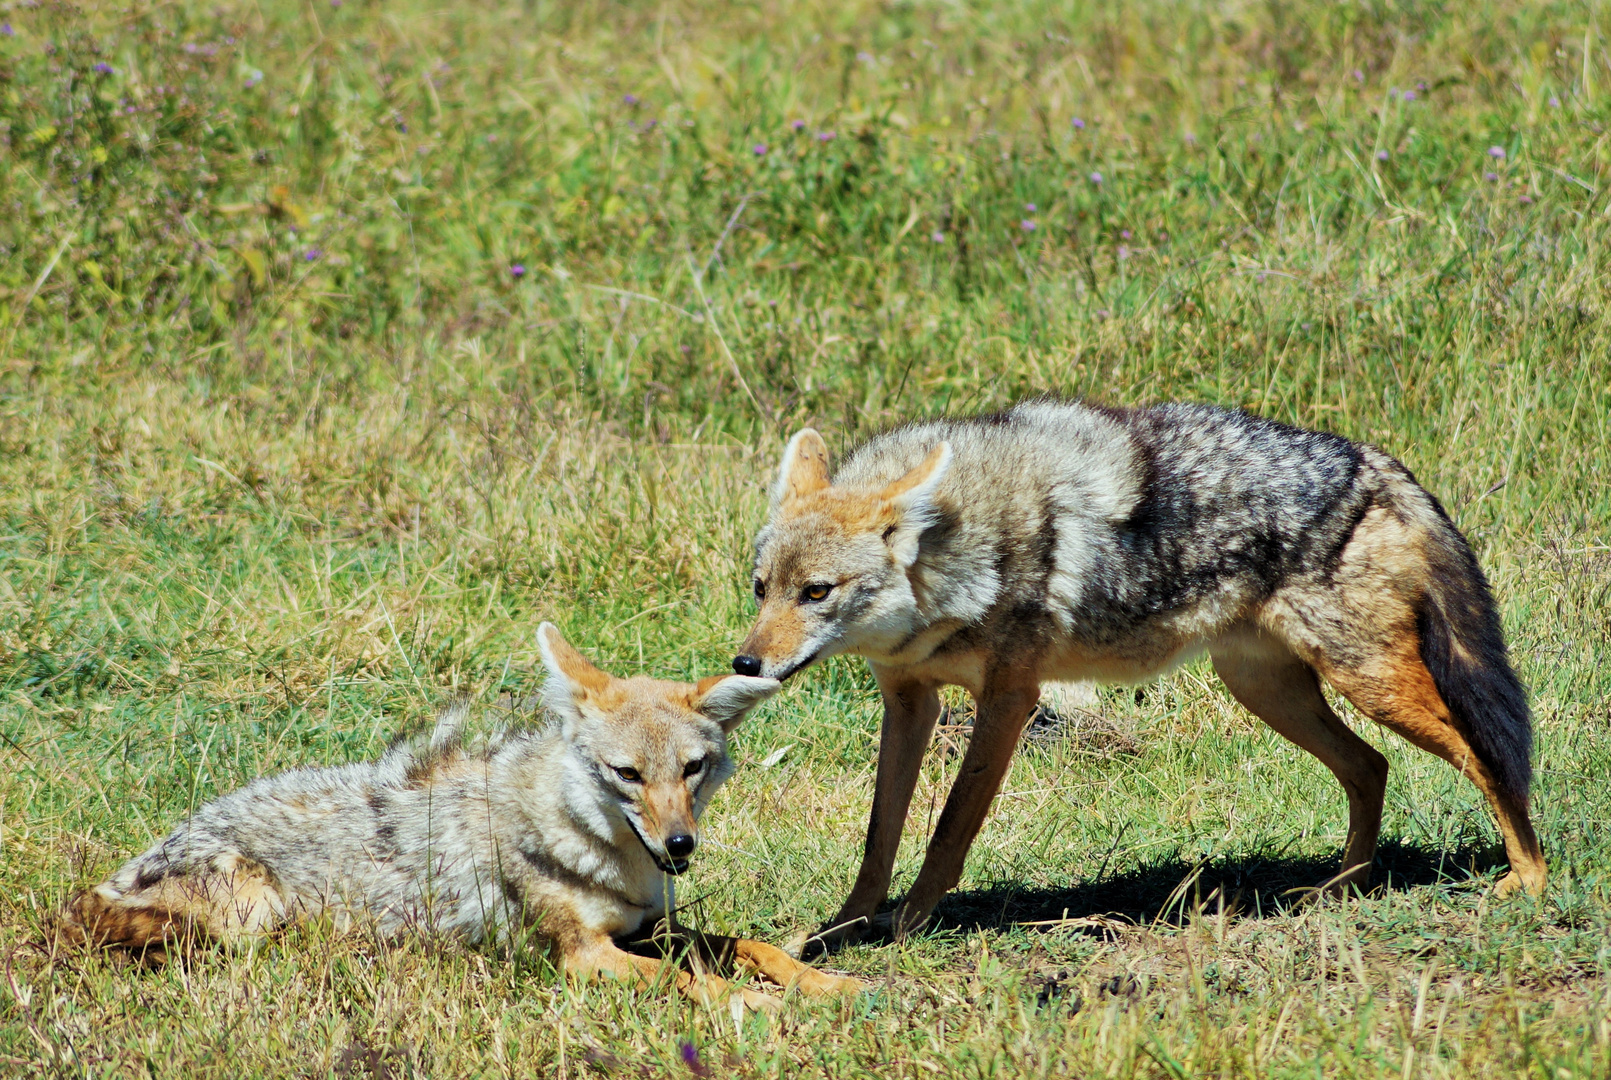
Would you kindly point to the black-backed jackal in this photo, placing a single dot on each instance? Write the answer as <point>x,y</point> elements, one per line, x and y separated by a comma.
<point>1059,541</point>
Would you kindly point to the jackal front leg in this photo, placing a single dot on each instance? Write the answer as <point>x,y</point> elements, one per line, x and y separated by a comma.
<point>910,712</point>
<point>587,960</point>
<point>771,963</point>
<point>1003,708</point>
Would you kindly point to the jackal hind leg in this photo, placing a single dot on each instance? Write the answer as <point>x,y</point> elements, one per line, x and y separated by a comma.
<point>910,713</point>
<point>1004,706</point>
<point>1284,692</point>
<point>1395,689</point>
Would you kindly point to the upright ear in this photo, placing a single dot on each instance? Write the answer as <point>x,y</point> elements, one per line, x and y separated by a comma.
<point>804,468</point>
<point>910,504</point>
<point>727,699</point>
<point>571,679</point>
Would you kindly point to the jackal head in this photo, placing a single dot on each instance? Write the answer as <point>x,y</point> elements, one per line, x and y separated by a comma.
<point>641,754</point>
<point>832,563</point>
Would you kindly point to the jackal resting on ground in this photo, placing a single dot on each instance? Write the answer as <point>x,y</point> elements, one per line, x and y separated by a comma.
<point>571,833</point>
<point>1061,541</point>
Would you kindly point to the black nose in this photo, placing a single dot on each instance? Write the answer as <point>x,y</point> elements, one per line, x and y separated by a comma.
<point>747,665</point>
<point>680,846</point>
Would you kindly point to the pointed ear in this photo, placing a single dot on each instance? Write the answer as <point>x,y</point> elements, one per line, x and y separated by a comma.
<point>571,679</point>
<point>727,699</point>
<point>804,468</point>
<point>910,502</point>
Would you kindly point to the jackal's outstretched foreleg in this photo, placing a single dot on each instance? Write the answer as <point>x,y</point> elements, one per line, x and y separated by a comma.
<point>587,961</point>
<point>767,961</point>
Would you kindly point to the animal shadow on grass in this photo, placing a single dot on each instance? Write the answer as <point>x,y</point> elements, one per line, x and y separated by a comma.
<point>1169,891</point>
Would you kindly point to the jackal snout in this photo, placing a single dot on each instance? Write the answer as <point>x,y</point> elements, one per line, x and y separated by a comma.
<point>670,817</point>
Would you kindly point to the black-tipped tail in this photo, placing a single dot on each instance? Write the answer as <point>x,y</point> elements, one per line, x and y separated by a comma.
<point>1463,647</point>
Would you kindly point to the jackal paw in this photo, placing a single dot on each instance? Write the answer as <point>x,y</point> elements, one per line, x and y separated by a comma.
<point>1513,883</point>
<point>830,937</point>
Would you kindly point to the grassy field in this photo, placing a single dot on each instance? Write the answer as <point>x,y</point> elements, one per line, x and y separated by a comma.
<point>342,342</point>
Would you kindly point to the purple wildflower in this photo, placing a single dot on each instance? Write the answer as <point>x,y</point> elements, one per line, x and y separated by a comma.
<point>937,236</point>
<point>1382,155</point>
<point>630,99</point>
<point>1490,176</point>
<point>1527,200</point>
<point>1359,76</point>
<point>865,57</point>
<point>797,124</point>
<point>1079,125</point>
<point>1031,207</point>
<point>1497,153</point>
<point>311,254</point>
<point>104,68</point>
<point>825,136</point>
<point>335,3</point>
<point>517,271</point>
<point>1124,234</point>
<point>760,149</point>
<point>1554,102</point>
<point>1421,86</point>
<point>1409,95</point>
<point>1124,253</point>
<point>690,1058</point>
<point>1027,225</point>
<point>6,31</point>
<point>1096,178</point>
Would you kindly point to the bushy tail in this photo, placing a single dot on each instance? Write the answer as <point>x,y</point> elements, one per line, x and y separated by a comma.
<point>1463,647</point>
<point>94,919</point>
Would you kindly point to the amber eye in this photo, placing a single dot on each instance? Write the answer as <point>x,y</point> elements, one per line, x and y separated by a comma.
<point>760,589</point>
<point>693,768</point>
<point>630,775</point>
<point>813,593</point>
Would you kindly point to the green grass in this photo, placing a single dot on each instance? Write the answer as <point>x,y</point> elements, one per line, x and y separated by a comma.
<point>287,451</point>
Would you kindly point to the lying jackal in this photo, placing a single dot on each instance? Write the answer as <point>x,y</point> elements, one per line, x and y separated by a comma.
<point>572,833</point>
<point>1060,541</point>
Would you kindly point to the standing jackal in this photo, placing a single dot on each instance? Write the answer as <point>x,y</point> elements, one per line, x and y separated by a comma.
<point>1064,541</point>
<point>572,833</point>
